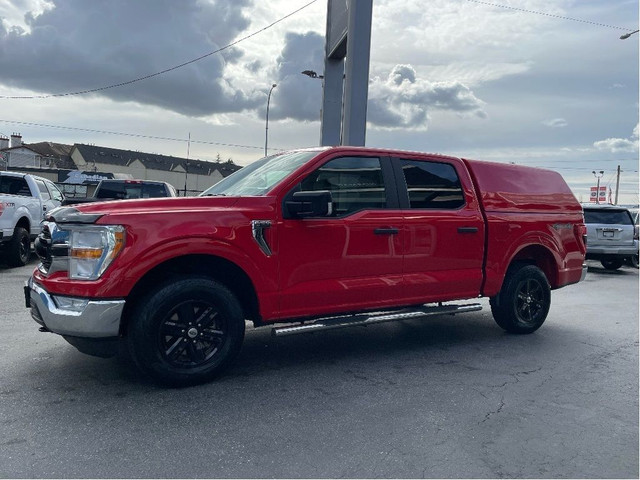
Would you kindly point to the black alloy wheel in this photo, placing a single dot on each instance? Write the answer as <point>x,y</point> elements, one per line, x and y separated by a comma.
<point>524,300</point>
<point>191,333</point>
<point>186,331</point>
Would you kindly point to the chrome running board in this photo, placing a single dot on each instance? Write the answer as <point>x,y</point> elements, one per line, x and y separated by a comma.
<point>331,323</point>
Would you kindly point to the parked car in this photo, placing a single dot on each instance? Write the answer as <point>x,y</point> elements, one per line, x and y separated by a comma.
<point>24,200</point>
<point>113,189</point>
<point>612,235</point>
<point>318,239</point>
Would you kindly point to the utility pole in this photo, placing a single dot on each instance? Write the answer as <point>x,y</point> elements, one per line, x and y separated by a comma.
<point>617,185</point>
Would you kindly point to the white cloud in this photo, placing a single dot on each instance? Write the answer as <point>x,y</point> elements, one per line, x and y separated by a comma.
<point>615,145</point>
<point>403,100</point>
<point>555,123</point>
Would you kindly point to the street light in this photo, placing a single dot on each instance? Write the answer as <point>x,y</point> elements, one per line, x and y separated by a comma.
<point>311,74</point>
<point>598,175</point>
<point>627,35</point>
<point>266,128</point>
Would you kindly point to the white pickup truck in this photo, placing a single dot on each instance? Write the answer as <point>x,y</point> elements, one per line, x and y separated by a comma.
<point>24,199</point>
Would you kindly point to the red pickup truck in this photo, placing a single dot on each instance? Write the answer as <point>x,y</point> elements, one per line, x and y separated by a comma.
<point>310,239</point>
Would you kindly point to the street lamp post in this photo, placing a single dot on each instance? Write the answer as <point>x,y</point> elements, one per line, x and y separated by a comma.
<point>598,175</point>
<point>627,35</point>
<point>266,128</point>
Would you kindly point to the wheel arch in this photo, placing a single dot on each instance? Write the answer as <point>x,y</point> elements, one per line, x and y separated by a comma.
<point>540,256</point>
<point>23,222</point>
<point>219,269</point>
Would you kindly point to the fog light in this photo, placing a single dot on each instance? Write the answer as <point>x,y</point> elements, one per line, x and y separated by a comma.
<point>72,304</point>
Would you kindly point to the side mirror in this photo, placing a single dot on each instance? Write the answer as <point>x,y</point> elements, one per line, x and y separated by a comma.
<point>310,204</point>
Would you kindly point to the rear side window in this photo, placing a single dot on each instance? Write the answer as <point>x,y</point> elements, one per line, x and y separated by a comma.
<point>608,217</point>
<point>356,183</point>
<point>125,190</point>
<point>14,186</point>
<point>432,185</point>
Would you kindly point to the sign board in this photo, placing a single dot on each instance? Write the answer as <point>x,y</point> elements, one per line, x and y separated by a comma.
<point>82,177</point>
<point>602,198</point>
<point>337,25</point>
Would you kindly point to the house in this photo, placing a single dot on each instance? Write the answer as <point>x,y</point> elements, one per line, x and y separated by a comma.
<point>78,168</point>
<point>192,175</point>
<point>35,155</point>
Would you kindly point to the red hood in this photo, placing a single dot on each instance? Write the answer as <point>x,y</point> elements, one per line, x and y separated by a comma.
<point>153,205</point>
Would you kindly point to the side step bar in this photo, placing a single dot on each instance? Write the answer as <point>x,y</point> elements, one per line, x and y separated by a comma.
<point>332,323</point>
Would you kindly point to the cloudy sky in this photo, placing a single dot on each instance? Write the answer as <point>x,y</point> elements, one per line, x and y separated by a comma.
<point>537,82</point>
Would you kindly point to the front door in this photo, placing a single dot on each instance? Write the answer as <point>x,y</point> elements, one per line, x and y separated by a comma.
<point>351,259</point>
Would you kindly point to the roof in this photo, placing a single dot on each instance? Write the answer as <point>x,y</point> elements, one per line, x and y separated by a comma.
<point>58,153</point>
<point>124,158</point>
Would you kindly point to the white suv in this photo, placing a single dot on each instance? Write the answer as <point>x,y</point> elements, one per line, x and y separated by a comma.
<point>612,236</point>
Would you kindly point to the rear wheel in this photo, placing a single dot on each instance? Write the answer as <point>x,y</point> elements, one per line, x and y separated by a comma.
<point>19,248</point>
<point>633,261</point>
<point>186,331</point>
<point>524,300</point>
<point>614,264</point>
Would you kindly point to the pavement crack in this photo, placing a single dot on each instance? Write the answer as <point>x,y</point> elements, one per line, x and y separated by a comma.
<point>494,412</point>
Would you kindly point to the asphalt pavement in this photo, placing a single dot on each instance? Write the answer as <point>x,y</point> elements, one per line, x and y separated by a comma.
<point>445,397</point>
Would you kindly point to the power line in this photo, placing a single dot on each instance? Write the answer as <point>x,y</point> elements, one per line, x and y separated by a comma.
<point>136,135</point>
<point>562,17</point>
<point>167,70</point>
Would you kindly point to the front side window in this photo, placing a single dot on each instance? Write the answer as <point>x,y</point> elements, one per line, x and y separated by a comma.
<point>356,183</point>
<point>432,185</point>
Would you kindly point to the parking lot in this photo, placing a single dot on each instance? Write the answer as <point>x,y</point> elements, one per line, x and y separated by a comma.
<point>442,397</point>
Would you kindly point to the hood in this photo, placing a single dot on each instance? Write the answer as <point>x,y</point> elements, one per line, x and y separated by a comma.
<point>91,212</point>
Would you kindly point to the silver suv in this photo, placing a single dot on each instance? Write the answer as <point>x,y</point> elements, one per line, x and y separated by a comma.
<point>612,236</point>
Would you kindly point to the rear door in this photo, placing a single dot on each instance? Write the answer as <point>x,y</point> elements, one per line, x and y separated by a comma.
<point>444,229</point>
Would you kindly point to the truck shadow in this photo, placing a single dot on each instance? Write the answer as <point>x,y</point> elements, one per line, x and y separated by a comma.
<point>439,339</point>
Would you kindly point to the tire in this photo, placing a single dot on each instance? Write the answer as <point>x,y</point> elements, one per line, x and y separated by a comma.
<point>633,261</point>
<point>186,332</point>
<point>614,264</point>
<point>524,300</point>
<point>19,248</point>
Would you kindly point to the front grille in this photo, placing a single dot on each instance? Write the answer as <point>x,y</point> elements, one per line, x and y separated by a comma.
<point>43,247</point>
<point>52,246</point>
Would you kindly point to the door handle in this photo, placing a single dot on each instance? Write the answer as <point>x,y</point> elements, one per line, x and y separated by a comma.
<point>467,229</point>
<point>386,231</point>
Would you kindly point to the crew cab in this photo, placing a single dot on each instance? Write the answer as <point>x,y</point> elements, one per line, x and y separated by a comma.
<point>306,240</point>
<point>24,200</point>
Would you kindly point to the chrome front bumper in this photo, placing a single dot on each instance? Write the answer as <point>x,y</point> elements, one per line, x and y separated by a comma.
<point>86,318</point>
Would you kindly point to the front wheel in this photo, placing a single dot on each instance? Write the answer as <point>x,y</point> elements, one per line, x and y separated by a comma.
<point>524,300</point>
<point>186,331</point>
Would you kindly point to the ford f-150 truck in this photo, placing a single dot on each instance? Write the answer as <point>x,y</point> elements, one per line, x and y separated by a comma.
<point>309,240</point>
<point>24,199</point>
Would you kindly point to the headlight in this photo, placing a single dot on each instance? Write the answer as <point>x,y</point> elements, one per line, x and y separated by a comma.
<point>92,249</point>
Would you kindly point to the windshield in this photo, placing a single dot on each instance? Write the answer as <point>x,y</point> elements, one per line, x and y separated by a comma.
<point>260,176</point>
